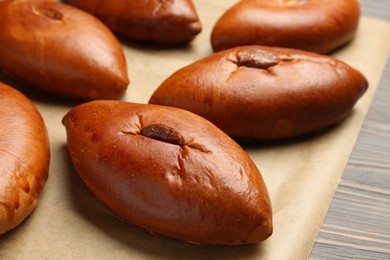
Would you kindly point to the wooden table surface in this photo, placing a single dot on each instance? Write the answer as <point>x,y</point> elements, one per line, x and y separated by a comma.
<point>357,225</point>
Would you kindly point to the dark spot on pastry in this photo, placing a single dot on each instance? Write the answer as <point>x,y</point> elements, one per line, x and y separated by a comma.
<point>163,133</point>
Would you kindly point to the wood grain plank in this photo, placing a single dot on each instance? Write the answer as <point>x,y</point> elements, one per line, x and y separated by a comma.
<point>357,225</point>
<point>369,162</point>
<point>376,8</point>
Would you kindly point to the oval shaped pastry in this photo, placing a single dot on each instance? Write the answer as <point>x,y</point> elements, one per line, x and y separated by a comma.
<point>174,21</point>
<point>62,50</point>
<point>312,25</point>
<point>169,171</point>
<point>24,157</point>
<point>263,92</point>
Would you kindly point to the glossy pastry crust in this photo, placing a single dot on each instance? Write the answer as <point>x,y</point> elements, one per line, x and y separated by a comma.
<point>169,22</point>
<point>61,50</point>
<point>312,25</point>
<point>24,157</point>
<point>169,171</point>
<point>265,93</point>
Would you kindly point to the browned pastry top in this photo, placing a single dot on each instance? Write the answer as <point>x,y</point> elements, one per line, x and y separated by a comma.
<point>312,25</point>
<point>169,171</point>
<point>265,92</point>
<point>60,49</point>
<point>24,157</point>
<point>173,21</point>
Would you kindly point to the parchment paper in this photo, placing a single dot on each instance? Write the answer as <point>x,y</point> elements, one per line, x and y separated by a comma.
<point>301,175</point>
